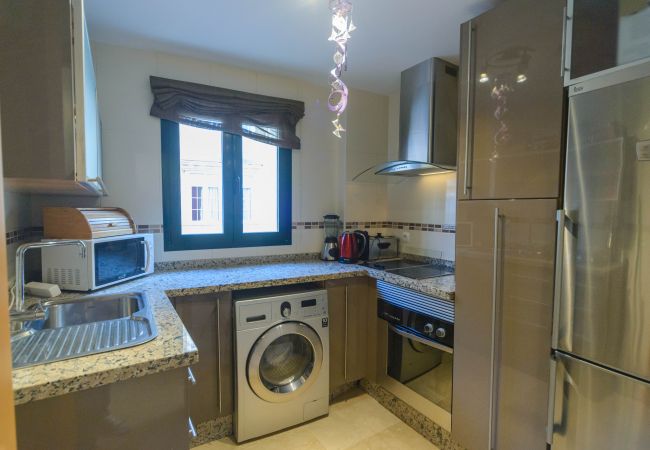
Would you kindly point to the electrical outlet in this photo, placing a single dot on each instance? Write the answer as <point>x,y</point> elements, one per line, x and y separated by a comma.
<point>406,236</point>
<point>643,150</point>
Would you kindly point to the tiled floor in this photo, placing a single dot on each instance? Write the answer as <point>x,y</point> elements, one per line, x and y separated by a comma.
<point>356,422</point>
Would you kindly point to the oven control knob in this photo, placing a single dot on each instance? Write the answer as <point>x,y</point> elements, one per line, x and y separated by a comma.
<point>428,328</point>
<point>285,309</point>
<point>441,332</point>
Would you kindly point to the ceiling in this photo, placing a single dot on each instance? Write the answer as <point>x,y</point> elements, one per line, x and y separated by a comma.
<point>289,37</point>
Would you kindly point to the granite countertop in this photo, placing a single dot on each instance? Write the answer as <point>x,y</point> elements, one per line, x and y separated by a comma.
<point>174,348</point>
<point>441,287</point>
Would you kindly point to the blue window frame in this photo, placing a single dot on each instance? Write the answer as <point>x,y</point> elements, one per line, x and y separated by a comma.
<point>249,181</point>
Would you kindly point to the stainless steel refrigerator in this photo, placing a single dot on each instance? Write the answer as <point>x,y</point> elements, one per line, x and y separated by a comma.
<point>601,334</point>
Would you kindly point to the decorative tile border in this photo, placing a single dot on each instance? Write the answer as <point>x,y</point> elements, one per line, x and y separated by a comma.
<point>361,225</point>
<point>447,228</point>
<point>365,225</point>
<point>32,233</point>
<point>28,234</point>
<point>23,235</point>
<point>150,229</point>
<point>430,430</point>
<point>302,225</point>
<point>307,225</point>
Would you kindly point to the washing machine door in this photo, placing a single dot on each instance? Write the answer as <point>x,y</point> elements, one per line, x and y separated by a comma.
<point>285,361</point>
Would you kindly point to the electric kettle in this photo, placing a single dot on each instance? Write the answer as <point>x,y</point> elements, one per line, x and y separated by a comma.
<point>352,244</point>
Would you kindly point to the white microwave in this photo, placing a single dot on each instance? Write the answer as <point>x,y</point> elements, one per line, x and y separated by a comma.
<point>107,261</point>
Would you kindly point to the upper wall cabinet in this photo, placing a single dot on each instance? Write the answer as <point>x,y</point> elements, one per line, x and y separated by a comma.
<point>50,119</point>
<point>511,102</point>
<point>605,36</point>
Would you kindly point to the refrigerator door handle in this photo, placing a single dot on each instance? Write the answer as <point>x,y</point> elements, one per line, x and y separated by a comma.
<point>559,391</point>
<point>495,329</point>
<point>559,267</point>
<point>563,44</point>
<point>564,289</point>
<point>551,401</point>
<point>469,105</point>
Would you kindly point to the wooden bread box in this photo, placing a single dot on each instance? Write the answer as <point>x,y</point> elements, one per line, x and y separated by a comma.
<point>86,223</point>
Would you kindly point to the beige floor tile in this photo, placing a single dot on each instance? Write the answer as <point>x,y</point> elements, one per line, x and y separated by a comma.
<point>397,437</point>
<point>364,411</point>
<point>351,421</point>
<point>357,422</point>
<point>222,444</point>
<point>287,440</point>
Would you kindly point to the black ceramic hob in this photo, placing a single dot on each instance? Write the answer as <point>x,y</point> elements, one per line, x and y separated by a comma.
<point>411,269</point>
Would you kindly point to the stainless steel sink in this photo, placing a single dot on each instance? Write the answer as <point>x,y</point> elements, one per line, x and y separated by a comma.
<point>84,326</point>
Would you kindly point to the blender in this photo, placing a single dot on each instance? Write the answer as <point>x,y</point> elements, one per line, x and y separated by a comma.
<point>332,225</point>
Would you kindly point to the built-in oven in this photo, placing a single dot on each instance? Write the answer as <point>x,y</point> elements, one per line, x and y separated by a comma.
<point>420,341</point>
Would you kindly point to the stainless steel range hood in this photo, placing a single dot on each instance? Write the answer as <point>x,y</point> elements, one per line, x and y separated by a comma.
<point>427,121</point>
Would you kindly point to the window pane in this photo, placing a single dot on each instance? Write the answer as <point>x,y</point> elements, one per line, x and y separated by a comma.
<point>259,187</point>
<point>201,181</point>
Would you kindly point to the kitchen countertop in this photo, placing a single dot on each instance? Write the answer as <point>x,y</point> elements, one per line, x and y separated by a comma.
<point>174,348</point>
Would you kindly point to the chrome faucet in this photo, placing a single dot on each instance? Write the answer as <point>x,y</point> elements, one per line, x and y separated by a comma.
<point>20,313</point>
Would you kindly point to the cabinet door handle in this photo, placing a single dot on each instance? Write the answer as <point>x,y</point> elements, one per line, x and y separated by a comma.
<point>190,377</point>
<point>564,43</point>
<point>190,428</point>
<point>494,369</point>
<point>469,106</point>
<point>219,352</point>
<point>147,249</point>
<point>551,401</point>
<point>345,347</point>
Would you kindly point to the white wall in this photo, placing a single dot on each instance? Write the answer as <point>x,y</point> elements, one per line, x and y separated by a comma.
<point>131,138</point>
<point>367,143</point>
<point>322,169</point>
<point>428,199</point>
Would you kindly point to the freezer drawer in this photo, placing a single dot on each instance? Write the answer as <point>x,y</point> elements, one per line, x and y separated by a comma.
<point>598,409</point>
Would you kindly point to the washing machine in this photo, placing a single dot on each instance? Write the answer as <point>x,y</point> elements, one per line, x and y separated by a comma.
<point>282,367</point>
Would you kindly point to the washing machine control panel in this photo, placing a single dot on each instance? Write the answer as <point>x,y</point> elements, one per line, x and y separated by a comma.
<point>314,306</point>
<point>298,308</point>
<point>261,312</point>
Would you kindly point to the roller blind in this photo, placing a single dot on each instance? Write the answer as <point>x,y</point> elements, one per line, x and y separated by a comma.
<point>271,120</point>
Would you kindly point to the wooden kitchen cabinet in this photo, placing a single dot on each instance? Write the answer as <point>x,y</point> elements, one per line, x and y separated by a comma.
<point>350,317</point>
<point>50,118</point>
<point>511,102</point>
<point>208,319</point>
<point>147,412</point>
<point>505,256</point>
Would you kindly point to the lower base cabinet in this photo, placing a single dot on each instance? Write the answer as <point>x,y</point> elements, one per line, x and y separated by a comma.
<point>140,413</point>
<point>351,319</point>
<point>208,319</point>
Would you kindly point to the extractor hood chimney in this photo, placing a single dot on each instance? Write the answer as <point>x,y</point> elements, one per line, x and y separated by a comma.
<point>427,121</point>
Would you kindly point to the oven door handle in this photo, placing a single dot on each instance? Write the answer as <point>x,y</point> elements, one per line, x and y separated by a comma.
<point>414,337</point>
